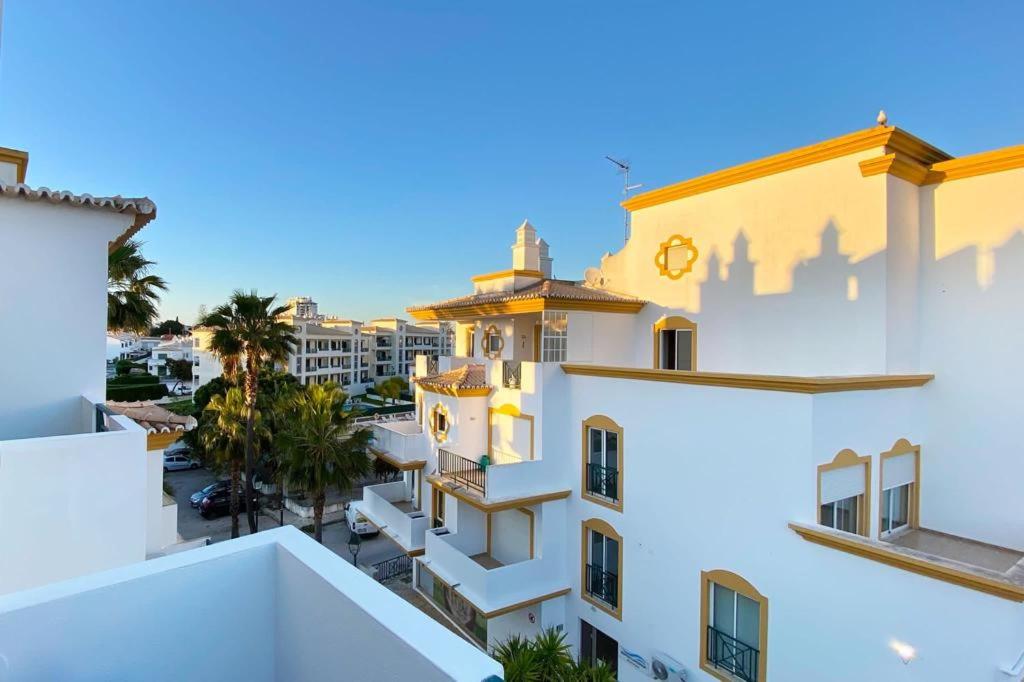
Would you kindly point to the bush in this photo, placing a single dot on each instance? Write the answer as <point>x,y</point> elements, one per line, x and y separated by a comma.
<point>133,380</point>
<point>390,409</point>
<point>186,408</point>
<point>123,367</point>
<point>141,392</point>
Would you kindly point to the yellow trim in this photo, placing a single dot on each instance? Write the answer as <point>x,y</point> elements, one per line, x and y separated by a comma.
<point>599,421</point>
<point>738,585</point>
<point>442,484</point>
<point>605,529</point>
<point>848,458</point>
<point>496,612</point>
<point>501,274</point>
<point>434,494</point>
<point>902,447</point>
<point>511,411</point>
<point>440,435</point>
<point>399,464</point>
<point>674,322</point>
<point>896,165</point>
<point>529,513</point>
<point>875,550</point>
<point>892,138</point>
<point>523,306</point>
<point>492,330</point>
<point>661,258</point>
<point>161,441</point>
<point>984,163</point>
<point>18,158</point>
<point>759,382</point>
<point>478,392</point>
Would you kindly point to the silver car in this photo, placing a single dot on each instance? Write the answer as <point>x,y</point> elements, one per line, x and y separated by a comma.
<point>174,462</point>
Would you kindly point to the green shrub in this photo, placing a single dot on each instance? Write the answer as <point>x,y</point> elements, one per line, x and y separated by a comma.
<point>142,392</point>
<point>133,380</point>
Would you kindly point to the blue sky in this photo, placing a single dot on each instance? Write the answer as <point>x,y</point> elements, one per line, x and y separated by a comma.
<point>377,154</point>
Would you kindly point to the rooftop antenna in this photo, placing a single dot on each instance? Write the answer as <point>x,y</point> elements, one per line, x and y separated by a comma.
<point>624,168</point>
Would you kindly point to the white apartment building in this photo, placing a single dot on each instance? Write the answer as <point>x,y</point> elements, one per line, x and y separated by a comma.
<point>82,508</point>
<point>774,437</point>
<point>121,346</point>
<point>175,348</point>
<point>345,351</point>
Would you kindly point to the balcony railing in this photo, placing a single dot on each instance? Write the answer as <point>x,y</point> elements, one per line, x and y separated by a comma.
<point>730,654</point>
<point>395,568</point>
<point>462,470</point>
<point>603,585</point>
<point>603,481</point>
<point>511,373</point>
<point>102,412</point>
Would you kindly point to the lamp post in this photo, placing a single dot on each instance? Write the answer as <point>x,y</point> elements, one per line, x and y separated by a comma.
<point>354,541</point>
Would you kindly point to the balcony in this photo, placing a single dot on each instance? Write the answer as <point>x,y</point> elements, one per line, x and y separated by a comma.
<point>727,653</point>
<point>603,481</point>
<point>501,483</point>
<point>511,373</point>
<point>302,587</point>
<point>400,444</point>
<point>389,507</point>
<point>485,582</point>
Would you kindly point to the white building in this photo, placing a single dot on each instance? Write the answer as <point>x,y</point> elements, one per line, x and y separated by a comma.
<point>81,509</point>
<point>174,348</point>
<point>774,437</point>
<point>121,346</point>
<point>345,351</point>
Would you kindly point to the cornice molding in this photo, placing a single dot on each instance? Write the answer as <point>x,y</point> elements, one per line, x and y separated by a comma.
<point>18,158</point>
<point>530,305</point>
<point>760,382</point>
<point>897,165</point>
<point>478,392</point>
<point>501,274</point>
<point>890,137</point>
<point>984,163</point>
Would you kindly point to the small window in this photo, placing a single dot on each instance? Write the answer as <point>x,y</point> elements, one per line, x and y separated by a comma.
<point>734,628</point>
<point>439,422</point>
<point>843,486</point>
<point>602,566</point>
<point>841,514</point>
<point>675,344</point>
<point>602,462</point>
<point>493,343</point>
<point>895,508</point>
<point>900,494</point>
<point>554,337</point>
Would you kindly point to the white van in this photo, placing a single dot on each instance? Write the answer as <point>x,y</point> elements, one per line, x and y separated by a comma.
<point>357,523</point>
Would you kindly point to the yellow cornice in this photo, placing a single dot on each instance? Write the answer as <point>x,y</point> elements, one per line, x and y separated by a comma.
<point>444,485</point>
<point>18,158</point>
<point>892,138</point>
<point>530,305</point>
<point>877,551</point>
<point>399,464</point>
<point>761,382</point>
<point>161,441</point>
<point>994,161</point>
<point>501,274</point>
<point>478,392</point>
<point>504,609</point>
<point>895,164</point>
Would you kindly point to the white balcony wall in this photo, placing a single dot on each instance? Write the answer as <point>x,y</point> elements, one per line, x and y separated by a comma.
<point>403,440</point>
<point>377,505</point>
<point>72,504</point>
<point>523,479</point>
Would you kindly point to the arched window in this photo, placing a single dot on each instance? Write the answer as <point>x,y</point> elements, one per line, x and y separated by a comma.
<point>733,628</point>
<point>675,344</point>
<point>844,493</point>
<point>601,567</point>
<point>899,476</point>
<point>602,462</point>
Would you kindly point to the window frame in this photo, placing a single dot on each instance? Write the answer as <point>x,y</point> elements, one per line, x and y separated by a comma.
<point>559,345</point>
<point>740,586</point>
<point>843,459</point>
<point>606,530</point>
<point>675,323</point>
<point>606,424</point>
<point>440,409</point>
<point>492,332</point>
<point>901,447</point>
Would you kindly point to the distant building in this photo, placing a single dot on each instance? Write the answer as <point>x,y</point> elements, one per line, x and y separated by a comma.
<point>173,348</point>
<point>121,346</point>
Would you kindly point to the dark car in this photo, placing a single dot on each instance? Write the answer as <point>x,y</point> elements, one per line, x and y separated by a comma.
<point>218,503</point>
<point>198,497</point>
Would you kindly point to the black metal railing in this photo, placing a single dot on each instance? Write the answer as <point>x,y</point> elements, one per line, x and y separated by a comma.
<point>603,481</point>
<point>462,470</point>
<point>431,366</point>
<point>511,373</point>
<point>102,412</point>
<point>394,568</point>
<point>603,584</point>
<point>728,653</point>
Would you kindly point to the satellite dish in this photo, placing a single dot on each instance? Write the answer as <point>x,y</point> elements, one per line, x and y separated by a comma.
<point>592,276</point>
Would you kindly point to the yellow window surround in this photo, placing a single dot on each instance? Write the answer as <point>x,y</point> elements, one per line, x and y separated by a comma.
<point>605,529</point>
<point>600,421</point>
<point>738,585</point>
<point>848,458</point>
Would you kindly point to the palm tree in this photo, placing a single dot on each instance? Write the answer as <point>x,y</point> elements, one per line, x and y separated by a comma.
<point>322,448</point>
<point>247,328</point>
<point>132,292</point>
<point>223,435</point>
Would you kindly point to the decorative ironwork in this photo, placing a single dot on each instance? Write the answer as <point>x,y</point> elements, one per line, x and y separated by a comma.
<point>431,366</point>
<point>395,568</point>
<point>511,373</point>
<point>603,481</point>
<point>728,653</point>
<point>465,471</point>
<point>603,584</point>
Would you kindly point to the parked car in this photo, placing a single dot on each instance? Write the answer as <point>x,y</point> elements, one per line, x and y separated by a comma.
<point>218,503</point>
<point>177,462</point>
<point>197,497</point>
<point>358,523</point>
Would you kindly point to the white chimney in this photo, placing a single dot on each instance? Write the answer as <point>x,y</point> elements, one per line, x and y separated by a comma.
<point>545,259</point>
<point>526,252</point>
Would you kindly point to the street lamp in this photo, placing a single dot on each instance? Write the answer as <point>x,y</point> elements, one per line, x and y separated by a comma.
<point>354,541</point>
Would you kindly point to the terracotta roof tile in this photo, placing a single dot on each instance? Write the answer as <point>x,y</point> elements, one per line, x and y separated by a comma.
<point>550,289</point>
<point>152,417</point>
<point>467,376</point>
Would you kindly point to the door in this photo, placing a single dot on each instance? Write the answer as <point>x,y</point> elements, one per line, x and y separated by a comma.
<point>597,646</point>
<point>536,342</point>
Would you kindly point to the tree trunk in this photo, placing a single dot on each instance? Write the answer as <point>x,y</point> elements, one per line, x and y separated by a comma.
<point>233,504</point>
<point>318,517</point>
<point>251,387</point>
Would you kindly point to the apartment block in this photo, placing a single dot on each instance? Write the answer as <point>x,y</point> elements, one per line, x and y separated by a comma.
<point>773,437</point>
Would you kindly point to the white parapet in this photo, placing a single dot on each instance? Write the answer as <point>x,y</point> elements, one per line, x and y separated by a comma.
<point>405,526</point>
